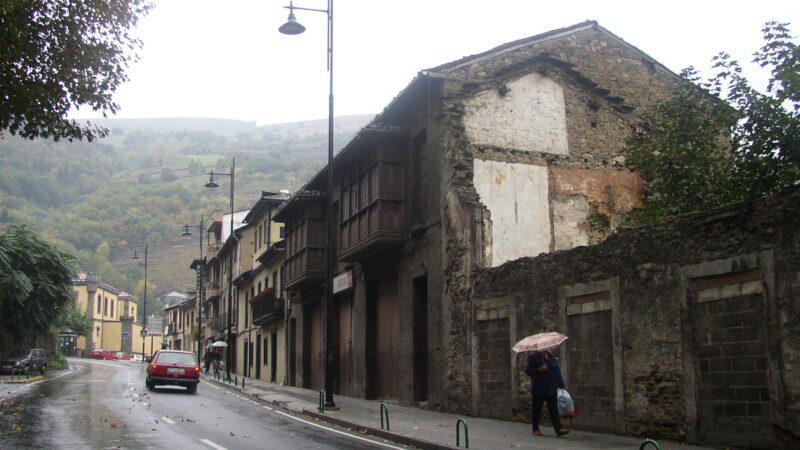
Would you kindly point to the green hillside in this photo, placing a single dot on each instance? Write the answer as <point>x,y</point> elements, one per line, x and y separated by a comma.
<point>101,200</point>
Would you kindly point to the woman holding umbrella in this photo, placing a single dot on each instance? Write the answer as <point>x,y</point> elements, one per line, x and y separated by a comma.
<point>542,368</point>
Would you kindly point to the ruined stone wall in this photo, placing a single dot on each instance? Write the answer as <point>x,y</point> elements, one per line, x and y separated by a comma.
<point>550,117</point>
<point>692,326</point>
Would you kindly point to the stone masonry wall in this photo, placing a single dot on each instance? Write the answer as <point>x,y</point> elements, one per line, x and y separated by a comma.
<point>697,316</point>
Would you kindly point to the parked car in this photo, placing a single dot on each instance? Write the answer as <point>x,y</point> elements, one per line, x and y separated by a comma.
<point>99,353</point>
<point>174,368</point>
<point>24,359</point>
<point>136,357</point>
<point>122,356</point>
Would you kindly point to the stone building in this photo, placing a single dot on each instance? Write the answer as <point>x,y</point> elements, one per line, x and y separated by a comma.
<point>505,154</point>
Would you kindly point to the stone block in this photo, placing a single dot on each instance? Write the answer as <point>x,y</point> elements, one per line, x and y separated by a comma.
<point>709,351</point>
<point>744,334</point>
<point>720,365</point>
<point>723,335</point>
<point>748,394</point>
<point>708,295</point>
<point>758,410</point>
<point>731,290</point>
<point>737,409</point>
<point>744,364</point>
<point>752,287</point>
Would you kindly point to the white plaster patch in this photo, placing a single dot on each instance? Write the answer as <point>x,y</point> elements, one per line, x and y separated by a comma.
<point>516,197</point>
<point>530,116</point>
<point>568,213</point>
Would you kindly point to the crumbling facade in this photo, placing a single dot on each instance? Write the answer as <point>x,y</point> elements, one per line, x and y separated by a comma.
<point>687,330</point>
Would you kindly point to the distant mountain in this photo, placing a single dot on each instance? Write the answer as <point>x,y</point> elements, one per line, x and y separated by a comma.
<point>145,181</point>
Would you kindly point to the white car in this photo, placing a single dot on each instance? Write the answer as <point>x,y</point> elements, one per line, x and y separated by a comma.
<point>136,357</point>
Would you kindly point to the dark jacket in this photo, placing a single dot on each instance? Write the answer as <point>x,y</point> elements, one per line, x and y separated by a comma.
<point>544,383</point>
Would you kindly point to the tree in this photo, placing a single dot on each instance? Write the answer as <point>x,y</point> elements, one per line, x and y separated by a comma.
<point>722,141</point>
<point>35,284</point>
<point>62,54</point>
<point>73,318</point>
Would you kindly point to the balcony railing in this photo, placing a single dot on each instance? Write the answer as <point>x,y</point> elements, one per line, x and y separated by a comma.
<point>266,308</point>
<point>220,322</point>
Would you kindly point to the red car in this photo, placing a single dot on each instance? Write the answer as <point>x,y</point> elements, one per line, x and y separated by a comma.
<point>99,353</point>
<point>173,368</point>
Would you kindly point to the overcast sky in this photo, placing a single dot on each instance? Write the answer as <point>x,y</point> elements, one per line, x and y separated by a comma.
<point>226,58</point>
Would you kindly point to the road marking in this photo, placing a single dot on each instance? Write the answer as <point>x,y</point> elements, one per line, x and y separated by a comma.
<point>212,445</point>
<point>168,420</point>
<point>353,436</point>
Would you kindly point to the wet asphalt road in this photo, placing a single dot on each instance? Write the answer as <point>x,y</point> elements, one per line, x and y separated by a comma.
<point>104,404</point>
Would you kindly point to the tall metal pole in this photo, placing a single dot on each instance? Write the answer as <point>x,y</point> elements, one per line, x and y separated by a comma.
<point>230,281</point>
<point>328,344</point>
<point>291,27</point>
<point>144,307</point>
<point>201,269</point>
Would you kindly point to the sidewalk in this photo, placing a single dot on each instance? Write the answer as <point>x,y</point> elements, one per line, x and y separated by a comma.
<point>426,429</point>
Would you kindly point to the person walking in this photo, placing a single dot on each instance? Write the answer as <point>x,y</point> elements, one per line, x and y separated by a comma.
<point>207,357</point>
<point>542,368</point>
<point>216,359</point>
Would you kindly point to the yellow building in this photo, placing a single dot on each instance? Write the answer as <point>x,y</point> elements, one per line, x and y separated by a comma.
<point>113,315</point>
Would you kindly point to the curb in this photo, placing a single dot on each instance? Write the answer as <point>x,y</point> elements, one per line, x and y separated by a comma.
<point>377,432</point>
<point>358,428</point>
<point>27,380</point>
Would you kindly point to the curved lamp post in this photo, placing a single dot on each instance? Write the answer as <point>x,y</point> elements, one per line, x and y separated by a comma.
<point>144,306</point>
<point>200,270</point>
<point>213,184</point>
<point>292,27</point>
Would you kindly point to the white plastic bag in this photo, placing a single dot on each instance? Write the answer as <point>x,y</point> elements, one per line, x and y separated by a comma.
<point>566,407</point>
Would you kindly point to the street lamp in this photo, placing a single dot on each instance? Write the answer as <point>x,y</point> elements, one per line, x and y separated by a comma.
<point>200,270</point>
<point>144,307</point>
<point>213,184</point>
<point>292,27</point>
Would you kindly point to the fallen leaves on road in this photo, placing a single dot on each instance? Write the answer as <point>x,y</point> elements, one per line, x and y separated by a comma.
<point>232,433</point>
<point>247,435</point>
<point>15,428</point>
<point>113,425</point>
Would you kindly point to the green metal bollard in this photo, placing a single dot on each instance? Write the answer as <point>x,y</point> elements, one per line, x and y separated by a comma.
<point>458,433</point>
<point>321,401</point>
<point>242,382</point>
<point>385,410</point>
<point>651,442</point>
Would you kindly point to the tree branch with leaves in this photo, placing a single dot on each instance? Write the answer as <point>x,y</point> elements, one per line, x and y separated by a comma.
<point>56,55</point>
<point>722,141</point>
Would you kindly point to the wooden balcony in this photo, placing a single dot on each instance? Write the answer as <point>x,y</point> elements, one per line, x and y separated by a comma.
<point>304,244</point>
<point>304,269</point>
<point>371,208</point>
<point>267,308</point>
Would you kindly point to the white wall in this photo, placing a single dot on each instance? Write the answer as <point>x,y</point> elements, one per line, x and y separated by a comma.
<point>530,116</point>
<point>569,212</point>
<point>516,197</point>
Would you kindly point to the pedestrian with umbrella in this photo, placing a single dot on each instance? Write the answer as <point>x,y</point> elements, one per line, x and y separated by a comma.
<point>542,368</point>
